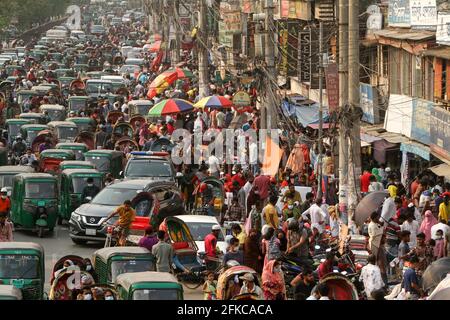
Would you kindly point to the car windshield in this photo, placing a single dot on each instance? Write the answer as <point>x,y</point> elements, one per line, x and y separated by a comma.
<point>148,168</point>
<point>99,87</point>
<point>15,266</point>
<point>143,109</point>
<point>67,133</point>
<point>78,183</point>
<point>155,294</point>
<point>114,196</point>
<point>101,163</point>
<point>199,230</point>
<point>40,190</point>
<point>6,180</point>
<point>129,266</point>
<point>55,114</point>
<point>14,129</point>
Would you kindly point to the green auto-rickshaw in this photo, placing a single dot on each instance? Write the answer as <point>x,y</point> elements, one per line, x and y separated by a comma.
<point>74,164</point>
<point>23,94</point>
<point>22,264</point>
<point>139,107</point>
<point>72,183</point>
<point>83,123</point>
<point>13,128</point>
<point>78,103</point>
<point>65,131</point>
<point>78,148</point>
<point>113,261</point>
<point>8,292</point>
<point>50,159</point>
<point>7,174</point>
<point>34,202</point>
<point>30,131</point>
<point>149,286</point>
<point>106,161</point>
<point>39,118</point>
<point>56,112</point>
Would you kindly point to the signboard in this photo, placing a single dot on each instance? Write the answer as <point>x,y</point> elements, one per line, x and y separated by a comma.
<point>398,116</point>
<point>283,35</point>
<point>375,19</point>
<point>399,14</point>
<point>443,28</point>
<point>229,25</point>
<point>423,14</point>
<point>241,99</point>
<point>332,83</point>
<point>292,47</point>
<point>416,149</point>
<point>293,9</point>
<point>304,56</point>
<point>440,132</point>
<point>420,131</point>
<point>247,6</point>
<point>369,103</point>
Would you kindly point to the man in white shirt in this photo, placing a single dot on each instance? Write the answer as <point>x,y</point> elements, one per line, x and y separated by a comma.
<point>249,286</point>
<point>375,231</point>
<point>198,124</point>
<point>214,165</point>
<point>412,226</point>
<point>371,276</point>
<point>440,226</point>
<point>317,216</point>
<point>220,118</point>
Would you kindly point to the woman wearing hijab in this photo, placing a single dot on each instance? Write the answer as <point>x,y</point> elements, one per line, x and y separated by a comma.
<point>375,173</point>
<point>273,281</point>
<point>427,223</point>
<point>252,251</point>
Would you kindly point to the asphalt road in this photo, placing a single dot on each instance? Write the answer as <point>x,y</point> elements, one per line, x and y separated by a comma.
<point>58,244</point>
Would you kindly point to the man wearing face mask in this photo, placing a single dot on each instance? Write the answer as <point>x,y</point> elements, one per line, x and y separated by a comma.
<point>5,203</point>
<point>90,190</point>
<point>5,229</point>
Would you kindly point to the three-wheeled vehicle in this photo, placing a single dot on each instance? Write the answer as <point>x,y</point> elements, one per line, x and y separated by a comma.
<point>23,95</point>
<point>78,148</point>
<point>149,286</point>
<point>50,159</point>
<point>65,131</point>
<point>56,112</point>
<point>73,164</point>
<point>139,107</point>
<point>31,131</point>
<point>65,284</point>
<point>34,202</point>
<point>78,103</point>
<point>106,161</point>
<point>7,174</point>
<point>162,144</point>
<point>223,292</point>
<point>39,118</point>
<point>114,261</point>
<point>83,123</point>
<point>124,129</point>
<point>8,292</point>
<point>72,183</point>
<point>13,127</point>
<point>22,266</point>
<point>218,193</point>
<point>340,287</point>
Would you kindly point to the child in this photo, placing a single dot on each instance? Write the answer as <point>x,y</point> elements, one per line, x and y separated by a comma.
<point>403,248</point>
<point>209,287</point>
<point>439,248</point>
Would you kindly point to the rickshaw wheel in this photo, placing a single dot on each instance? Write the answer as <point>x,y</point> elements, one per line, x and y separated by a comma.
<point>192,285</point>
<point>41,232</point>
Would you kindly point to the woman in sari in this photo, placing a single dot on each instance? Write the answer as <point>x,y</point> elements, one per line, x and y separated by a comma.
<point>273,281</point>
<point>252,252</point>
<point>427,223</point>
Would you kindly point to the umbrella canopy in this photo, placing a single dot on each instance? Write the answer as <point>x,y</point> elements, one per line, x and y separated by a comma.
<point>161,83</point>
<point>182,73</point>
<point>369,204</point>
<point>170,106</point>
<point>214,102</point>
<point>435,273</point>
<point>156,46</point>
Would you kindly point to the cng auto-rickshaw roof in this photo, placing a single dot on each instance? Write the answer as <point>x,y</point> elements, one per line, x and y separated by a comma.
<point>78,98</point>
<point>56,124</point>
<point>29,115</point>
<point>16,169</point>
<point>74,145</point>
<point>70,172</point>
<point>126,280</point>
<point>107,253</point>
<point>52,107</point>
<point>36,126</point>
<point>103,152</point>
<point>11,291</point>
<point>22,245</point>
<point>18,121</point>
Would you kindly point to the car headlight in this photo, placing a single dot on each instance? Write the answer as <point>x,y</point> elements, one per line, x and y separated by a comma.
<point>76,217</point>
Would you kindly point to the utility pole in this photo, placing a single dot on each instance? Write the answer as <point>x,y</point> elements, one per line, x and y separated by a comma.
<point>176,23</point>
<point>343,99</point>
<point>354,170</point>
<point>268,113</point>
<point>319,186</point>
<point>202,41</point>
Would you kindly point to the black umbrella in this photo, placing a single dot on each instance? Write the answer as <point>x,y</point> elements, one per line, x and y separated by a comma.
<point>369,204</point>
<point>435,273</point>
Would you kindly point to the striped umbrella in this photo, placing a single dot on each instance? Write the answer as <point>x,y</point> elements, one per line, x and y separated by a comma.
<point>182,73</point>
<point>170,106</point>
<point>214,102</point>
<point>161,83</point>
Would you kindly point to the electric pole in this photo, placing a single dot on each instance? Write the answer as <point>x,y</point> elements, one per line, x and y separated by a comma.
<point>319,167</point>
<point>202,40</point>
<point>354,170</point>
<point>176,23</point>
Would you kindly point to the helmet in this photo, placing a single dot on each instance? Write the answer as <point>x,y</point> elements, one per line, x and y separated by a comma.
<point>215,227</point>
<point>4,190</point>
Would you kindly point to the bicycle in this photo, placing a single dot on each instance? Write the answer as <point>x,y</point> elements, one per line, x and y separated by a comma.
<point>195,276</point>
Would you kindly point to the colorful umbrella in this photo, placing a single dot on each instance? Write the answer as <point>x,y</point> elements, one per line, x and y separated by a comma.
<point>170,106</point>
<point>214,102</point>
<point>182,73</point>
<point>161,83</point>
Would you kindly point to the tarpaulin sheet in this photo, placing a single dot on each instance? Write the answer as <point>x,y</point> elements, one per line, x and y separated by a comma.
<point>309,115</point>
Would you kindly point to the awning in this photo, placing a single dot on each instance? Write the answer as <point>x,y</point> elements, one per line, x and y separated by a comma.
<point>440,52</point>
<point>441,170</point>
<point>416,148</point>
<point>405,34</point>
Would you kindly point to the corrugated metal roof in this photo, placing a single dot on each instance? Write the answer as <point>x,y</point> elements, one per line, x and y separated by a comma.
<point>440,52</point>
<point>405,34</point>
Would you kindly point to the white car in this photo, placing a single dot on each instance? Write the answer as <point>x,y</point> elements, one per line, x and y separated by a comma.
<point>200,226</point>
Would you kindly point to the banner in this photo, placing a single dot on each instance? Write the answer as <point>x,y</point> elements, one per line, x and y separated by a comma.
<point>398,116</point>
<point>420,131</point>
<point>292,47</point>
<point>443,28</point>
<point>423,14</point>
<point>229,25</point>
<point>440,132</point>
<point>369,103</point>
<point>283,35</point>
<point>332,83</point>
<point>399,14</point>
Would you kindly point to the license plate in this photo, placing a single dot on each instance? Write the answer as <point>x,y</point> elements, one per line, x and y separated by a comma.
<point>91,232</point>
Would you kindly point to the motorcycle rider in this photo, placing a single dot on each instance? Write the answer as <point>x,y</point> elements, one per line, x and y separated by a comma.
<point>90,190</point>
<point>19,147</point>
<point>28,158</point>
<point>5,203</point>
